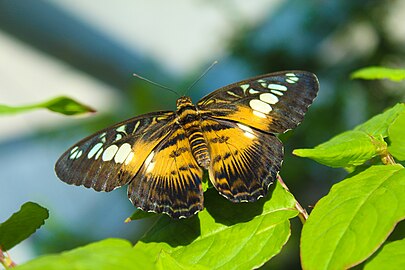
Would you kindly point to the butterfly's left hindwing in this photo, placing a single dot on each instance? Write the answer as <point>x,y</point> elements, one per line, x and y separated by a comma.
<point>170,179</point>
<point>272,103</point>
<point>111,157</point>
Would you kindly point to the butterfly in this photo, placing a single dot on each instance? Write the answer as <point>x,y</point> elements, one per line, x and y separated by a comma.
<point>161,156</point>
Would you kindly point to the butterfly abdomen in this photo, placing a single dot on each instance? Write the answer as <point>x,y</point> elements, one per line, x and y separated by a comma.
<point>189,119</point>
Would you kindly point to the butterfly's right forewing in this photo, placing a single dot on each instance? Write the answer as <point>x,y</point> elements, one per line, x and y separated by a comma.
<point>111,157</point>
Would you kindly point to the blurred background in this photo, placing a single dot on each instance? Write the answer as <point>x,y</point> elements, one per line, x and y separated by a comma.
<point>88,50</point>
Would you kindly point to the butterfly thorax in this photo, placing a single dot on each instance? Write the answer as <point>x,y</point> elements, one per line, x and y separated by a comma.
<point>189,119</point>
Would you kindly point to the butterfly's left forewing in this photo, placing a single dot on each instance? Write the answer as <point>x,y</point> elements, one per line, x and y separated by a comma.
<point>111,157</point>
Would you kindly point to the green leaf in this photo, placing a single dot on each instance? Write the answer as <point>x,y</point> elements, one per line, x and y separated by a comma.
<point>165,261</point>
<point>225,235</point>
<point>22,224</point>
<point>391,256</point>
<point>378,73</point>
<point>396,133</point>
<point>351,148</point>
<point>106,254</point>
<point>139,214</point>
<point>62,105</point>
<point>354,219</point>
<point>378,125</point>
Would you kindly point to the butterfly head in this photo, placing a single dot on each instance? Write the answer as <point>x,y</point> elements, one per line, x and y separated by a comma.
<point>183,102</point>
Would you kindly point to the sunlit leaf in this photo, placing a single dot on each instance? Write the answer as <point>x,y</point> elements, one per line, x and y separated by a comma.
<point>22,224</point>
<point>106,254</point>
<point>391,256</point>
<point>378,73</point>
<point>396,133</point>
<point>351,148</point>
<point>64,105</point>
<point>225,235</point>
<point>378,125</point>
<point>354,219</point>
<point>165,262</point>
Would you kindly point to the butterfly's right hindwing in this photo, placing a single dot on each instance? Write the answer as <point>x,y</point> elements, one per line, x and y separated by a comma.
<point>111,157</point>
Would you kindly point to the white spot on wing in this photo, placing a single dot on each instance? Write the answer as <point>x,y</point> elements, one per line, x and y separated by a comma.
<point>291,78</point>
<point>79,154</point>
<point>121,128</point>
<point>277,87</point>
<point>98,153</point>
<point>123,153</point>
<point>247,131</point>
<point>261,115</point>
<point>277,92</point>
<point>260,106</point>
<point>94,150</point>
<point>110,152</point>
<point>244,128</point>
<point>244,87</point>
<point>289,81</point>
<point>129,158</point>
<point>269,98</point>
<point>74,154</point>
<point>233,94</point>
<point>150,165</point>
<point>74,149</point>
<point>136,126</point>
<point>118,137</point>
<point>253,91</point>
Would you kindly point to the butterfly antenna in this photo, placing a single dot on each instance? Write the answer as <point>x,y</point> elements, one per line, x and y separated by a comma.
<point>154,83</point>
<point>202,75</point>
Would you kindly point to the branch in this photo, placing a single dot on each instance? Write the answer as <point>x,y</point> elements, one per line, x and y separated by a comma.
<point>5,260</point>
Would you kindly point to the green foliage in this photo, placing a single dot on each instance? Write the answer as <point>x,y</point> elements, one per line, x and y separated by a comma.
<point>391,256</point>
<point>139,214</point>
<point>375,73</point>
<point>354,219</point>
<point>106,254</point>
<point>22,224</point>
<point>355,147</point>
<point>351,148</point>
<point>396,132</point>
<point>64,105</point>
<point>344,229</point>
<point>225,235</point>
<point>379,124</point>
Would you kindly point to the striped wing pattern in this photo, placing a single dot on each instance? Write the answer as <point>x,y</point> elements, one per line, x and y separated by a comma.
<point>244,161</point>
<point>109,158</point>
<point>161,156</point>
<point>169,181</point>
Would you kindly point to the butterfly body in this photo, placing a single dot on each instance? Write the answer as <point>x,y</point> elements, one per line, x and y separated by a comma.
<point>161,156</point>
<point>189,119</point>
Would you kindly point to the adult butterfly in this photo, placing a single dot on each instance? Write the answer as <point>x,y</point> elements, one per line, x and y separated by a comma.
<point>161,155</point>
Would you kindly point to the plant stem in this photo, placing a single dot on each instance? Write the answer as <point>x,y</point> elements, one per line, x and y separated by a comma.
<point>387,159</point>
<point>303,215</point>
<point>6,261</point>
